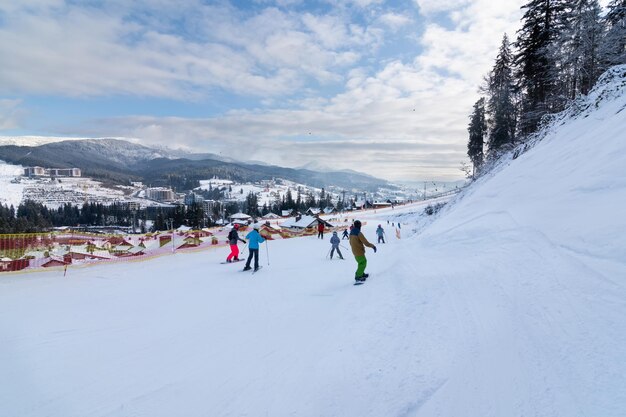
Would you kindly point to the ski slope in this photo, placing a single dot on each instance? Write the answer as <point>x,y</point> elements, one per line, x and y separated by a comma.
<point>511,303</point>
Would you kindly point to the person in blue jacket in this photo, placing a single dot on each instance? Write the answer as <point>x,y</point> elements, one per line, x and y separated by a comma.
<point>334,241</point>
<point>253,238</point>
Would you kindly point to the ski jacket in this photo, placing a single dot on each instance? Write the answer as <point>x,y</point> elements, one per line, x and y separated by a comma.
<point>380,231</point>
<point>358,242</point>
<point>320,227</point>
<point>233,237</point>
<point>254,238</point>
<point>334,240</point>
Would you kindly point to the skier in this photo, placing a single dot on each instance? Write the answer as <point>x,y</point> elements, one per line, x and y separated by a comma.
<point>254,237</point>
<point>381,234</point>
<point>358,243</point>
<point>233,238</point>
<point>320,229</point>
<point>334,240</point>
<point>345,234</point>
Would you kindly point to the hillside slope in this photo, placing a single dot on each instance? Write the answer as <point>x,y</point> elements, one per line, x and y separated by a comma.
<point>511,303</point>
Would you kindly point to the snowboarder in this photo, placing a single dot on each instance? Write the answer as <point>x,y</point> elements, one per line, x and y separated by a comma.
<point>334,241</point>
<point>380,232</point>
<point>358,243</point>
<point>233,238</point>
<point>254,238</point>
<point>320,229</point>
<point>345,234</point>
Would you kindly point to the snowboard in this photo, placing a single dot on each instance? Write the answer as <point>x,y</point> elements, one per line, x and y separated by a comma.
<point>361,282</point>
<point>241,260</point>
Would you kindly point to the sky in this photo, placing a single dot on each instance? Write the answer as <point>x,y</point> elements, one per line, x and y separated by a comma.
<point>381,87</point>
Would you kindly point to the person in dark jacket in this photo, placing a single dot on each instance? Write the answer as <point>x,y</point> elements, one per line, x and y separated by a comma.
<point>233,238</point>
<point>345,234</point>
<point>254,237</point>
<point>358,243</point>
<point>334,241</point>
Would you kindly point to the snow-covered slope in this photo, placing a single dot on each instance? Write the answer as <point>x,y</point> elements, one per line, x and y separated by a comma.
<point>511,303</point>
<point>11,194</point>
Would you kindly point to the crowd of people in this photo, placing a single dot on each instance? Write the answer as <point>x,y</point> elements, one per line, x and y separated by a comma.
<point>358,243</point>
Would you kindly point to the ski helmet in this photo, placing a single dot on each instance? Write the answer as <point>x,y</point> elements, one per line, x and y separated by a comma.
<point>255,226</point>
<point>357,224</point>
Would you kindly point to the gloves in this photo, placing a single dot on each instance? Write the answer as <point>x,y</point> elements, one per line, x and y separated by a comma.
<point>374,249</point>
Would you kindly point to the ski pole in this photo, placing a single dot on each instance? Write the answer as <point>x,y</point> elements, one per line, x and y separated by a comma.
<point>328,254</point>
<point>267,252</point>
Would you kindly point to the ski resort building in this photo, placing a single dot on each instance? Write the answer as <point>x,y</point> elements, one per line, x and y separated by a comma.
<point>51,172</point>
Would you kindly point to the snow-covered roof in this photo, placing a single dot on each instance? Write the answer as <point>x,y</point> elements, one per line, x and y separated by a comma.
<point>304,222</point>
<point>240,216</point>
<point>271,216</point>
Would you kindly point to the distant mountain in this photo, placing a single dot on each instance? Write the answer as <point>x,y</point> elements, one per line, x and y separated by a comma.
<point>119,161</point>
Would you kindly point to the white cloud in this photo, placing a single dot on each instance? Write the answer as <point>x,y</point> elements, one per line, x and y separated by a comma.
<point>74,51</point>
<point>10,113</point>
<point>428,7</point>
<point>395,20</point>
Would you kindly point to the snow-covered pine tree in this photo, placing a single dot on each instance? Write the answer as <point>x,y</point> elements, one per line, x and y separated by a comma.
<point>477,131</point>
<point>613,45</point>
<point>578,49</point>
<point>501,114</point>
<point>535,63</point>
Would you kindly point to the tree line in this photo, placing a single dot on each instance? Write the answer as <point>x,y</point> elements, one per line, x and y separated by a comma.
<point>561,50</point>
<point>32,217</point>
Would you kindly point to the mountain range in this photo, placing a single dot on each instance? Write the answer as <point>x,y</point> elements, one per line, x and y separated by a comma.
<point>119,161</point>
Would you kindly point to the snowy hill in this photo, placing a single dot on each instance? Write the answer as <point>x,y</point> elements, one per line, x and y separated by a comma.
<point>511,303</point>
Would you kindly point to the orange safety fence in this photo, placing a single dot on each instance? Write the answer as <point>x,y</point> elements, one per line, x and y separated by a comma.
<point>34,251</point>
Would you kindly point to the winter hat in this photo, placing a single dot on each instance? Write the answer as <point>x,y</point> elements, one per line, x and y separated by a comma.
<point>357,224</point>
<point>335,232</point>
<point>236,226</point>
<point>255,226</point>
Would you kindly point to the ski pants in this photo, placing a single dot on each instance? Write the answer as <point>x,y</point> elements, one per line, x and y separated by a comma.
<point>320,234</point>
<point>381,238</point>
<point>255,253</point>
<point>361,264</point>
<point>332,251</point>
<point>234,252</point>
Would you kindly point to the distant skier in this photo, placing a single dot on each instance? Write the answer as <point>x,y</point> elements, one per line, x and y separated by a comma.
<point>320,229</point>
<point>380,232</point>
<point>345,234</point>
<point>233,238</point>
<point>334,241</point>
<point>254,238</point>
<point>358,243</point>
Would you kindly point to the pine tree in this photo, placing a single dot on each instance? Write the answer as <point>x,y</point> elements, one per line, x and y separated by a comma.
<point>578,53</point>
<point>542,24</point>
<point>477,131</point>
<point>613,45</point>
<point>500,105</point>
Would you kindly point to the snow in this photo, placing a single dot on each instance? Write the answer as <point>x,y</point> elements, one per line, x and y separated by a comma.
<point>509,302</point>
<point>11,192</point>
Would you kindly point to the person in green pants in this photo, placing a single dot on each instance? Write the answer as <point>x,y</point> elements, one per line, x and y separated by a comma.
<point>358,243</point>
